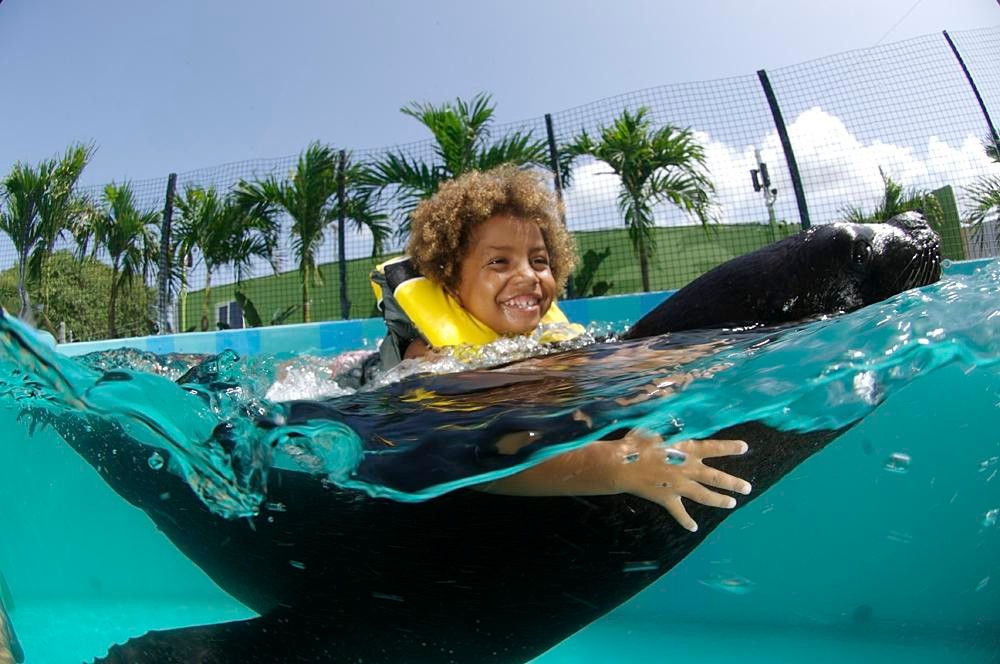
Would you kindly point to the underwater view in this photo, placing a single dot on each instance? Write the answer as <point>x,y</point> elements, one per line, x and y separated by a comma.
<point>871,532</point>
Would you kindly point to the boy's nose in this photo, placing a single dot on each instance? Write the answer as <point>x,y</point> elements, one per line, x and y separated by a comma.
<point>525,271</point>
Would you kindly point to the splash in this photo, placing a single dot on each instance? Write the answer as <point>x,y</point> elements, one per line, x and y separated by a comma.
<point>424,429</point>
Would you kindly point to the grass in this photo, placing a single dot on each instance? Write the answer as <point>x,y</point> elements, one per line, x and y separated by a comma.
<point>681,254</point>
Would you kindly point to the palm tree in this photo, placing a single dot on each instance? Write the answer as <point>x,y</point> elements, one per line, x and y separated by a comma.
<point>984,192</point>
<point>653,166</point>
<point>200,227</point>
<point>223,233</point>
<point>896,200</point>
<point>309,198</point>
<point>462,143</point>
<point>129,235</point>
<point>39,203</point>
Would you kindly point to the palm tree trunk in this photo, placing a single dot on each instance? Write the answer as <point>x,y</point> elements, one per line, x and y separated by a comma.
<point>345,304</point>
<point>639,221</point>
<point>22,289</point>
<point>46,290</point>
<point>182,298</point>
<point>112,326</point>
<point>643,264</point>
<point>207,300</point>
<point>306,276</point>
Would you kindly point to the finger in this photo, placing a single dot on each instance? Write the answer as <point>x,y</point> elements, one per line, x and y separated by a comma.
<point>710,448</point>
<point>716,478</point>
<point>672,503</point>
<point>700,494</point>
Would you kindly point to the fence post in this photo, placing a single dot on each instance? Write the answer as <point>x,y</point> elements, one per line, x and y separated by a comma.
<point>975,91</point>
<point>786,145</point>
<point>557,179</point>
<point>164,268</point>
<point>554,155</point>
<point>345,304</point>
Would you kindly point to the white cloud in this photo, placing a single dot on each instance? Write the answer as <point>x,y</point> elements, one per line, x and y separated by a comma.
<point>838,171</point>
<point>592,200</point>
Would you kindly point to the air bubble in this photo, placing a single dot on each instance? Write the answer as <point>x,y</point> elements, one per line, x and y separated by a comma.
<point>296,564</point>
<point>991,517</point>
<point>898,462</point>
<point>156,461</point>
<point>736,585</point>
<point>866,387</point>
<point>641,566</point>
<point>674,457</point>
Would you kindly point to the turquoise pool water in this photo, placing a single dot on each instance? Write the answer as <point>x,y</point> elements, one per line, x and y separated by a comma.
<point>857,555</point>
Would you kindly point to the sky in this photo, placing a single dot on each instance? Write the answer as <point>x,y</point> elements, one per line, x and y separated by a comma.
<point>175,86</point>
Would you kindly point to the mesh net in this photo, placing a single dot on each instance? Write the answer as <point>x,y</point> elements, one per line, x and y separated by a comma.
<point>903,111</point>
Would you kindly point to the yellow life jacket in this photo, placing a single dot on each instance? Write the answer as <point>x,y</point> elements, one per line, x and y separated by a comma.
<point>414,306</point>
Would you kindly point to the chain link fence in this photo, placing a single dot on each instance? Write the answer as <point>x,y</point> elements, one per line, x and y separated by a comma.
<point>826,133</point>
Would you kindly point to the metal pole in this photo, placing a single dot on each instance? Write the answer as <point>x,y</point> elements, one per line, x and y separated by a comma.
<point>786,145</point>
<point>769,194</point>
<point>557,180</point>
<point>345,304</point>
<point>163,305</point>
<point>554,156</point>
<point>975,90</point>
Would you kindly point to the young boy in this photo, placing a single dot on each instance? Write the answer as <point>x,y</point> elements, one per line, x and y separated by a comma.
<point>494,247</point>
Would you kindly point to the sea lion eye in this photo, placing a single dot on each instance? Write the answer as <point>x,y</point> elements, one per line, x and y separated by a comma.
<point>861,252</point>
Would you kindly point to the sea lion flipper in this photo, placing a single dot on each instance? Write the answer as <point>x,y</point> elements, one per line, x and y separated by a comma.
<point>275,637</point>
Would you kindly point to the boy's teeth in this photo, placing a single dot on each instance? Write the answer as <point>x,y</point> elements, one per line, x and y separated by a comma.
<point>522,302</point>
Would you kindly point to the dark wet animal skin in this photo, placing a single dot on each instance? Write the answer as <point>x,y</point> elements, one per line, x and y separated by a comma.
<point>825,270</point>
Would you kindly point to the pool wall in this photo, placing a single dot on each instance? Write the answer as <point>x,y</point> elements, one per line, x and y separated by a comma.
<point>337,336</point>
<point>341,335</point>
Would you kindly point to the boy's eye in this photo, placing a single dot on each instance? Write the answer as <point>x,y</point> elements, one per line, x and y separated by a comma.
<point>541,260</point>
<point>496,261</point>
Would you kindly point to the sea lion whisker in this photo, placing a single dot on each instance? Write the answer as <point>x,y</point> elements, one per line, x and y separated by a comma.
<point>908,275</point>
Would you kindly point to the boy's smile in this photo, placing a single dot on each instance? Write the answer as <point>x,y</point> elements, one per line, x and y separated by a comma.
<point>504,279</point>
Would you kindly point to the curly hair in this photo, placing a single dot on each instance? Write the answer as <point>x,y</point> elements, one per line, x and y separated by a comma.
<point>443,226</point>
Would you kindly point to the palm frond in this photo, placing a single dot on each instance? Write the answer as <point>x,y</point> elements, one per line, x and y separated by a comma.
<point>516,148</point>
<point>984,194</point>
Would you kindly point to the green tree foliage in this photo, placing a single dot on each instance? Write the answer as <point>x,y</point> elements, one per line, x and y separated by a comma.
<point>653,165</point>
<point>78,296</point>
<point>39,203</point>
<point>895,200</point>
<point>583,280</point>
<point>462,142</point>
<point>984,192</point>
<point>309,197</point>
<point>221,232</point>
<point>129,236</point>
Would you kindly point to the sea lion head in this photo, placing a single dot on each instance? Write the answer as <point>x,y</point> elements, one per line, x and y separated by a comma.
<point>842,266</point>
<point>900,254</point>
<point>827,269</point>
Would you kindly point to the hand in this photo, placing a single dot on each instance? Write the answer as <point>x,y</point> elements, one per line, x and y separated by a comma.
<point>664,475</point>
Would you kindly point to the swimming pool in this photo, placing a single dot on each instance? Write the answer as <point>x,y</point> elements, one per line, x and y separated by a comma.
<point>854,556</point>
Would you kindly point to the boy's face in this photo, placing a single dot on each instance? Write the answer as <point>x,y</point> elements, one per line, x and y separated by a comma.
<point>504,277</point>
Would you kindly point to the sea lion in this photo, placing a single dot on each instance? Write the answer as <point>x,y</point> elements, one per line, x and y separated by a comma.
<point>826,269</point>
<point>468,576</point>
